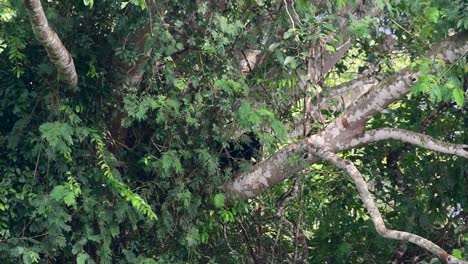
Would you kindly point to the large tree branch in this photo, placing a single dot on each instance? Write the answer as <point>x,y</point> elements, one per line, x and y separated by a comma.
<point>47,37</point>
<point>347,131</point>
<point>393,89</point>
<point>350,124</point>
<point>337,135</point>
<point>376,217</point>
<point>268,173</point>
<point>325,61</point>
<point>414,138</point>
<point>336,99</point>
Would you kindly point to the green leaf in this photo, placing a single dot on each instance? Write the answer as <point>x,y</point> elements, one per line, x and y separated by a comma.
<point>223,23</point>
<point>330,48</point>
<point>380,4</point>
<point>58,192</point>
<point>420,87</point>
<point>59,136</point>
<point>34,256</point>
<point>432,14</point>
<point>193,236</point>
<point>170,160</point>
<point>181,85</point>
<point>62,193</point>
<point>235,85</point>
<point>246,114</point>
<point>89,3</point>
<point>288,33</point>
<point>289,60</point>
<point>274,46</point>
<point>219,200</point>
<point>139,3</point>
<point>340,3</point>
<point>82,258</point>
<point>453,83</point>
<point>69,198</point>
<point>265,112</point>
<point>279,129</point>
<point>457,253</point>
<point>227,216</point>
<point>436,92</point>
<point>360,28</point>
<point>114,229</point>
<point>185,197</point>
<point>459,96</point>
<point>424,68</point>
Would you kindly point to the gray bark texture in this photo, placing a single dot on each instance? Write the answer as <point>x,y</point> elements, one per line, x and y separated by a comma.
<point>348,131</point>
<point>49,39</point>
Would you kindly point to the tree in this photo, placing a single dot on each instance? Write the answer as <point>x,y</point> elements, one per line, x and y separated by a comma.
<point>117,116</point>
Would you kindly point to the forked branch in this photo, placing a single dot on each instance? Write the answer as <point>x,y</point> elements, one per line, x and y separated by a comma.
<point>47,37</point>
<point>376,217</point>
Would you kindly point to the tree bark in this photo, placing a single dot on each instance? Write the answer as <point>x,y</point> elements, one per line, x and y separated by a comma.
<point>348,131</point>
<point>376,217</point>
<point>338,134</point>
<point>47,37</point>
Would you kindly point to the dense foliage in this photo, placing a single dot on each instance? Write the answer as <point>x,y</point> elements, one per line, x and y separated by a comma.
<point>112,171</point>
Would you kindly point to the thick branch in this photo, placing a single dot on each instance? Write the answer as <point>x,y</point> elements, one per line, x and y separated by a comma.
<point>374,212</point>
<point>268,173</point>
<point>338,98</point>
<point>421,140</point>
<point>325,61</point>
<point>338,134</point>
<point>350,123</point>
<point>395,88</point>
<point>47,37</point>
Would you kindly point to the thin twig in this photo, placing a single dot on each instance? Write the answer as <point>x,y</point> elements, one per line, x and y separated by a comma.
<point>290,17</point>
<point>233,251</point>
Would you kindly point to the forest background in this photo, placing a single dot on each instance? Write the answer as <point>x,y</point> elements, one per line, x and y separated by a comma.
<point>250,131</point>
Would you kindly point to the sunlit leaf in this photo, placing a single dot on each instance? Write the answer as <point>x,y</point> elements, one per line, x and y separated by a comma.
<point>459,96</point>
<point>219,200</point>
